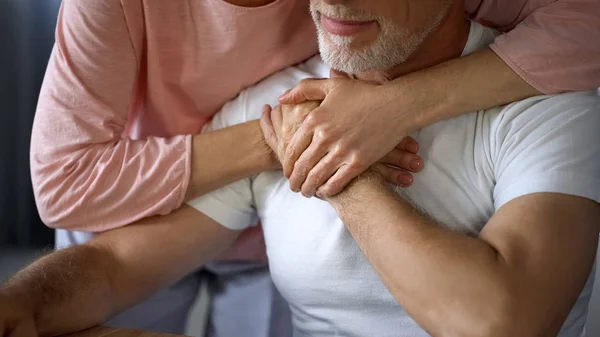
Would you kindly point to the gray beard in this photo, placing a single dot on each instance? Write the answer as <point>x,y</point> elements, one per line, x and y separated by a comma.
<point>392,48</point>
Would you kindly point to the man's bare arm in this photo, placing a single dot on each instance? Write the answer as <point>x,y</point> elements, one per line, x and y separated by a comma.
<point>83,286</point>
<point>536,252</point>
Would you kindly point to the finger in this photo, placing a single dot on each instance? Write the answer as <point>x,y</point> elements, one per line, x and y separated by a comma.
<point>267,127</point>
<point>300,141</point>
<point>338,74</point>
<point>404,160</point>
<point>277,121</point>
<point>339,181</point>
<point>305,164</point>
<point>409,144</point>
<point>321,173</point>
<point>307,90</point>
<point>395,176</point>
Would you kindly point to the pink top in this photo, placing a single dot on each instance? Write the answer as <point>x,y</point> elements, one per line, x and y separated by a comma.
<point>128,79</point>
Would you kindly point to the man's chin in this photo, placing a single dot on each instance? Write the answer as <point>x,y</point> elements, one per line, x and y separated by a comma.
<point>345,63</point>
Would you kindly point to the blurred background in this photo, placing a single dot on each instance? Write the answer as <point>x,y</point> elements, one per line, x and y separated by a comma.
<point>26,40</point>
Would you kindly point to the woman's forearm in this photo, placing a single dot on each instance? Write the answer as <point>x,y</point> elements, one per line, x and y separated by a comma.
<point>477,81</point>
<point>227,155</point>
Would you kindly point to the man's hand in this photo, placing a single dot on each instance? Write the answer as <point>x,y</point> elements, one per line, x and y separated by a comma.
<point>15,319</point>
<point>281,126</point>
<point>351,130</point>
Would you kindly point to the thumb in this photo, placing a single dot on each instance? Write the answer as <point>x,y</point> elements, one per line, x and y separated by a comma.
<point>307,90</point>
<point>267,127</point>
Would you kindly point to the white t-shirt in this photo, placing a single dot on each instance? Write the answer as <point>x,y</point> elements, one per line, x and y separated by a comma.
<point>475,163</point>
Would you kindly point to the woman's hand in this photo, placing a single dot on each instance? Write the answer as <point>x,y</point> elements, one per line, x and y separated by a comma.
<point>350,131</point>
<point>281,124</point>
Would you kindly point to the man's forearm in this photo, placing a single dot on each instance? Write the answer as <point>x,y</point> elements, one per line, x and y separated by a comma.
<point>224,156</point>
<point>66,291</point>
<point>457,86</point>
<point>442,278</point>
<point>83,286</point>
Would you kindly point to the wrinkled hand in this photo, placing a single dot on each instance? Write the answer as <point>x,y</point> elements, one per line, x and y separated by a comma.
<point>15,321</point>
<point>282,122</point>
<point>353,128</point>
<point>280,125</point>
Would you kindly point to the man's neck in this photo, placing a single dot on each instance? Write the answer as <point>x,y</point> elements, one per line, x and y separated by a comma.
<point>447,43</point>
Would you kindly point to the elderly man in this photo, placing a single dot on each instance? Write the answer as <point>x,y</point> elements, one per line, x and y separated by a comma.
<point>497,236</point>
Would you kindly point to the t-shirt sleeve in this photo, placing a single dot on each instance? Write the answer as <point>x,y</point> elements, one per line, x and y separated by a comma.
<point>548,43</point>
<point>232,206</point>
<point>548,145</point>
<point>86,176</point>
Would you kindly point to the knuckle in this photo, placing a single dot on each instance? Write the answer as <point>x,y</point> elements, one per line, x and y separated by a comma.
<point>321,135</point>
<point>301,169</point>
<point>328,133</point>
<point>312,120</point>
<point>315,176</point>
<point>358,162</point>
<point>342,149</point>
<point>291,150</point>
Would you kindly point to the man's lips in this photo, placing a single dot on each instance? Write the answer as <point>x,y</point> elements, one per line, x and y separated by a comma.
<point>342,27</point>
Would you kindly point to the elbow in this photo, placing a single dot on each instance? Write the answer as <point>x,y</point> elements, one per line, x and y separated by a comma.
<point>59,207</point>
<point>56,217</point>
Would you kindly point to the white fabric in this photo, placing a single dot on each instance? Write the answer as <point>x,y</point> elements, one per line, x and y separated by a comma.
<point>474,165</point>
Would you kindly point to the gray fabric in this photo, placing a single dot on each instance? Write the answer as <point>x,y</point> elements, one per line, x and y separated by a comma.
<point>26,37</point>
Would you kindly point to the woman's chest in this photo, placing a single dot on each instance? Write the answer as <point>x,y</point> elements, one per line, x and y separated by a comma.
<point>197,55</point>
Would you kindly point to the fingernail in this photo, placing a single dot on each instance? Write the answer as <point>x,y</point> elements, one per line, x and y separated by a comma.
<point>416,164</point>
<point>405,179</point>
<point>413,147</point>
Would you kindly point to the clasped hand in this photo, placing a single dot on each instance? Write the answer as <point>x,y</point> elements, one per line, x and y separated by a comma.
<point>337,131</point>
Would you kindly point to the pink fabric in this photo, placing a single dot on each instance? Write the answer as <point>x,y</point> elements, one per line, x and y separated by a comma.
<point>555,46</point>
<point>128,79</point>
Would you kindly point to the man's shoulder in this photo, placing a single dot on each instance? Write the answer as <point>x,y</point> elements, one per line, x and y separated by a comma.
<point>567,112</point>
<point>268,90</point>
<point>546,144</point>
<point>247,106</point>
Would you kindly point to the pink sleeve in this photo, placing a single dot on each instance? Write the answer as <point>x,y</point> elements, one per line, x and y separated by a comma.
<point>85,176</point>
<point>554,46</point>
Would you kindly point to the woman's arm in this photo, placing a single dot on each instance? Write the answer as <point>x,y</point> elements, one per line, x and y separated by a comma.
<point>551,44</point>
<point>551,51</point>
<point>85,175</point>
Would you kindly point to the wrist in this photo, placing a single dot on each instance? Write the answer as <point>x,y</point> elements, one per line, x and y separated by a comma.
<point>261,152</point>
<point>417,101</point>
<point>361,188</point>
